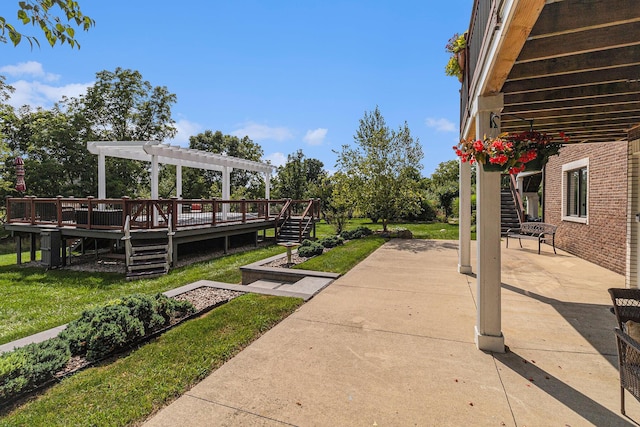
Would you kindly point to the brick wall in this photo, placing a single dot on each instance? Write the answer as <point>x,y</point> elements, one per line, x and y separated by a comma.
<point>603,240</point>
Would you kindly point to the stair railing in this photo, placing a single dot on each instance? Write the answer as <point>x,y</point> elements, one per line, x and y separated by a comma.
<point>283,216</point>
<point>127,241</point>
<point>170,234</point>
<point>516,198</point>
<point>303,229</point>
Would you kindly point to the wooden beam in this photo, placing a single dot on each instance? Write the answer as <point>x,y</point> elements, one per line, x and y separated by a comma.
<point>574,93</point>
<point>553,104</point>
<point>602,60</point>
<point>571,15</point>
<point>620,74</point>
<point>574,112</point>
<point>590,40</point>
<point>515,30</point>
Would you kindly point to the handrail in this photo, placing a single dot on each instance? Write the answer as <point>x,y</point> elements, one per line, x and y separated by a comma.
<point>516,197</point>
<point>302,230</point>
<point>285,209</point>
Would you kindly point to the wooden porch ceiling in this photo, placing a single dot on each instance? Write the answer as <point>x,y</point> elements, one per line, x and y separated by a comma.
<point>578,72</point>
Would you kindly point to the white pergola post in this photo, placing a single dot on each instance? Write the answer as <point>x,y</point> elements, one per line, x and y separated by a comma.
<point>102,178</point>
<point>267,185</point>
<point>488,331</point>
<point>179,181</point>
<point>226,190</point>
<point>464,219</point>
<point>154,177</point>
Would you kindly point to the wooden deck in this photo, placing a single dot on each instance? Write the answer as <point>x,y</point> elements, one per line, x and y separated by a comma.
<point>188,220</point>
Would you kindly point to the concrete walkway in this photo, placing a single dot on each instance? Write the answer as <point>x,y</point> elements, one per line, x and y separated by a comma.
<point>391,344</point>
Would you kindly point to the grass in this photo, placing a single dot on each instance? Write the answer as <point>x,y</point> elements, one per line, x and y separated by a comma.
<point>343,258</point>
<point>133,387</point>
<point>33,300</point>
<point>436,230</point>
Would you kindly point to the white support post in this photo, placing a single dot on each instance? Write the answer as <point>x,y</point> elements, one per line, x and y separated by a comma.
<point>179,181</point>
<point>267,185</point>
<point>464,219</point>
<point>154,177</point>
<point>154,186</point>
<point>488,332</point>
<point>533,203</point>
<point>226,190</point>
<point>102,179</point>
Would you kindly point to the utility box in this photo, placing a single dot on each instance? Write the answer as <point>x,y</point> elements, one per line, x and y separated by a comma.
<point>50,246</point>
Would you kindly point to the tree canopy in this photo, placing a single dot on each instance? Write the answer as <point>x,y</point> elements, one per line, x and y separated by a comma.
<point>380,169</point>
<point>55,18</point>
<point>299,178</point>
<point>206,184</point>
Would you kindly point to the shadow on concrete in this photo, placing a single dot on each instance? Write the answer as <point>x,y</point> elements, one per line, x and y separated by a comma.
<point>579,403</point>
<point>593,321</point>
<point>420,245</point>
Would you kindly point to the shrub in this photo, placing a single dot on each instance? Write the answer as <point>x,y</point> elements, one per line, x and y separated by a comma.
<point>310,250</point>
<point>104,330</point>
<point>331,241</point>
<point>358,233</point>
<point>31,365</point>
<point>307,242</point>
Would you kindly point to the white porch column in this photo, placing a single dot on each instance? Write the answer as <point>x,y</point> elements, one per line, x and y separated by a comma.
<point>488,333</point>
<point>533,203</point>
<point>464,219</point>
<point>179,181</point>
<point>226,190</point>
<point>102,179</point>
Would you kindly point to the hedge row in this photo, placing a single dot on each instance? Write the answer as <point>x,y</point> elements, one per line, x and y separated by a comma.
<point>96,334</point>
<point>310,248</point>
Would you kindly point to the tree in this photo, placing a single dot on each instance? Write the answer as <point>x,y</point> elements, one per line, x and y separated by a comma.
<point>121,106</point>
<point>300,177</point>
<point>42,14</point>
<point>444,185</point>
<point>244,184</point>
<point>380,169</point>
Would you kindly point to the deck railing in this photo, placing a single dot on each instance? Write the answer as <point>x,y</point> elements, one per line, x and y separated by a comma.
<point>110,214</point>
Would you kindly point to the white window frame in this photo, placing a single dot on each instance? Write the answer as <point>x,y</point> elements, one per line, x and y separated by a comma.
<point>578,164</point>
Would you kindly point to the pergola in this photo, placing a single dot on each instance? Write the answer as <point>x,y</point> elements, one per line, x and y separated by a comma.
<point>157,153</point>
<point>563,65</point>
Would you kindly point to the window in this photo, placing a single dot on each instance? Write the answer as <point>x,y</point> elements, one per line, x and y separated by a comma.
<point>575,186</point>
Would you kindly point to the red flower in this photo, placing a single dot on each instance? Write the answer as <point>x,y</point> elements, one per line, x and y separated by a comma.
<point>478,146</point>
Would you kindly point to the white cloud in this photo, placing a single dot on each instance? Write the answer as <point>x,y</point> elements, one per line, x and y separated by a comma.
<point>29,69</point>
<point>277,159</point>
<point>37,94</point>
<point>441,125</point>
<point>185,130</point>
<point>315,137</point>
<point>258,132</point>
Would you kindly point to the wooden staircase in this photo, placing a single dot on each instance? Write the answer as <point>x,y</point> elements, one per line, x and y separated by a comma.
<point>508,211</point>
<point>147,259</point>
<point>293,230</point>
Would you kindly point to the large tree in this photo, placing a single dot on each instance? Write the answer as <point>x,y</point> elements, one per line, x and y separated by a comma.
<point>444,186</point>
<point>55,18</point>
<point>244,184</point>
<point>380,169</point>
<point>299,178</point>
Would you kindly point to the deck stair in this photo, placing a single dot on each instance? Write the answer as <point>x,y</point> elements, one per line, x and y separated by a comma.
<point>147,259</point>
<point>290,230</point>
<point>508,212</point>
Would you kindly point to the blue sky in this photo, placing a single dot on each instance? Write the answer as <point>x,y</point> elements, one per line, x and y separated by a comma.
<point>290,74</point>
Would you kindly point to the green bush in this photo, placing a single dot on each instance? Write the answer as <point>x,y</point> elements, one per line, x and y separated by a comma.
<point>306,242</point>
<point>358,233</point>
<point>104,330</point>
<point>331,241</point>
<point>31,365</point>
<point>309,250</point>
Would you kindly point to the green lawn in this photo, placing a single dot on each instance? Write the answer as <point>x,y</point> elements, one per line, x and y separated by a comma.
<point>133,387</point>
<point>33,300</point>
<point>436,230</point>
<point>343,258</point>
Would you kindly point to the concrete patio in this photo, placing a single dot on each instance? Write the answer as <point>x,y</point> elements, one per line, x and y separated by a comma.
<point>391,343</point>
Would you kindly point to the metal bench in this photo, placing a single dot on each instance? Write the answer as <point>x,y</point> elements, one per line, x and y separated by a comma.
<point>540,231</point>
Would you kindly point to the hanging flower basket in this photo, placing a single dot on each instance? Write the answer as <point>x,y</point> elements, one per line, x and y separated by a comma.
<point>510,152</point>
